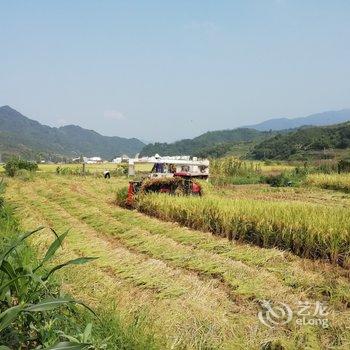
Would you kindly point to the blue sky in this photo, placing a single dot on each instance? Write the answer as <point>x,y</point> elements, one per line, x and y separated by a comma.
<point>165,70</point>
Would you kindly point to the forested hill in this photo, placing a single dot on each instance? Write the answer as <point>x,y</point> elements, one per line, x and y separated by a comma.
<point>304,142</point>
<point>203,145</point>
<point>26,137</point>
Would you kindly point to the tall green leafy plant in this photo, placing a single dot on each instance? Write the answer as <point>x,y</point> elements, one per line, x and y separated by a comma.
<point>31,306</point>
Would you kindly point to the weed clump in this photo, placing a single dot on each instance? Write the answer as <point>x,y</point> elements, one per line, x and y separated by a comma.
<point>287,178</point>
<point>231,170</point>
<point>15,164</point>
<point>121,197</point>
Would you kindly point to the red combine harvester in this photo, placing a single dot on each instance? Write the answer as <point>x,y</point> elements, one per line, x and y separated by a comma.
<point>169,175</point>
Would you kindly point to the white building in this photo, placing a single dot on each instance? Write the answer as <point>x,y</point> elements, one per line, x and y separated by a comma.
<point>92,160</point>
<point>117,160</point>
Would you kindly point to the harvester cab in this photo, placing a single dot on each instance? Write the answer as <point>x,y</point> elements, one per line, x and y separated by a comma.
<point>169,175</point>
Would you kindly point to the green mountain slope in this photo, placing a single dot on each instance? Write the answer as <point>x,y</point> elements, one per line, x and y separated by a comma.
<point>26,137</point>
<point>212,143</point>
<point>304,143</point>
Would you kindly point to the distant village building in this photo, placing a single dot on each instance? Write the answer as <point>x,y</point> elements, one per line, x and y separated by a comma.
<point>157,156</point>
<point>117,160</point>
<point>123,159</point>
<point>92,160</point>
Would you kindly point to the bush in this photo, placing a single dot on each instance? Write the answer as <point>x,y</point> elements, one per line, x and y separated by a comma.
<point>280,180</point>
<point>72,171</point>
<point>120,170</point>
<point>287,178</point>
<point>15,164</point>
<point>32,309</point>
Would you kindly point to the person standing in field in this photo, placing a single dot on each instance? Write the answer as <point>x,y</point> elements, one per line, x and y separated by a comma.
<point>107,174</point>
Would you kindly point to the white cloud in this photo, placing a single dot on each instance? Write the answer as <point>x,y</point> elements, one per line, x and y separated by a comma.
<point>114,115</point>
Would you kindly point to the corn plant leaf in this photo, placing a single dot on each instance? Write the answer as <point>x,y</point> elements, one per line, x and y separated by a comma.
<point>3,347</point>
<point>54,232</point>
<point>55,245</point>
<point>21,239</point>
<point>49,304</point>
<point>87,307</point>
<point>68,337</point>
<point>78,261</point>
<point>7,268</point>
<point>9,315</point>
<point>12,281</point>
<point>87,332</point>
<point>69,346</point>
<point>53,248</point>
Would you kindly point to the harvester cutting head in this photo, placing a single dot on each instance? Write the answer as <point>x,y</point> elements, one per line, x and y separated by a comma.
<point>171,185</point>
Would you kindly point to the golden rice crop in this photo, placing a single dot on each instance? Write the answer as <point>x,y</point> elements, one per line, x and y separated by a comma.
<point>309,230</point>
<point>340,182</point>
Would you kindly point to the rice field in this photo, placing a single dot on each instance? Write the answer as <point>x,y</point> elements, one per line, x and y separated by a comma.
<point>308,230</point>
<point>188,288</point>
<point>338,182</point>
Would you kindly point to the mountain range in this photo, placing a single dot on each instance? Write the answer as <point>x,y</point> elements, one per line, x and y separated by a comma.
<point>318,119</point>
<point>202,146</point>
<point>240,141</point>
<point>28,138</point>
